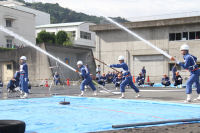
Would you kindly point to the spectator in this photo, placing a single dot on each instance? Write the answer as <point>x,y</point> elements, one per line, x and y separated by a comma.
<point>178,79</point>
<point>56,78</point>
<point>118,80</point>
<point>102,80</point>
<point>140,79</point>
<point>144,72</point>
<point>114,75</point>
<point>1,84</point>
<point>174,70</point>
<point>98,75</point>
<point>109,77</point>
<point>165,80</point>
<point>98,69</point>
<point>14,82</point>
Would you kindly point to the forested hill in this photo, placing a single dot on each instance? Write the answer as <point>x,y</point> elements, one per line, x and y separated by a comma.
<point>64,15</point>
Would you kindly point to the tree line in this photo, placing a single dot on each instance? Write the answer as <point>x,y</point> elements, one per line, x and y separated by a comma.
<point>60,38</point>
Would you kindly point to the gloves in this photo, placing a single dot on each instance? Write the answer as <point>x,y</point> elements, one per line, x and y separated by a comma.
<point>25,79</point>
<point>177,62</point>
<point>172,59</point>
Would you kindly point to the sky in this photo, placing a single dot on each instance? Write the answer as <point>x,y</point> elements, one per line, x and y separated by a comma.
<point>129,9</point>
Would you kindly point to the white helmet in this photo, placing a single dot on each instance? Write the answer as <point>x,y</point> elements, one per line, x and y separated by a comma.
<point>121,57</point>
<point>184,47</point>
<point>79,63</point>
<point>23,58</point>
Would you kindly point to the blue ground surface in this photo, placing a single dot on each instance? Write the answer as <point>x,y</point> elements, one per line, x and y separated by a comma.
<point>45,115</point>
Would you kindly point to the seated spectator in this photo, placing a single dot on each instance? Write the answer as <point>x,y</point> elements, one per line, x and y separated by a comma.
<point>109,77</point>
<point>165,80</point>
<point>178,79</point>
<point>98,69</point>
<point>140,79</point>
<point>114,75</point>
<point>118,80</point>
<point>102,80</point>
<point>56,78</point>
<point>98,75</point>
<point>14,82</point>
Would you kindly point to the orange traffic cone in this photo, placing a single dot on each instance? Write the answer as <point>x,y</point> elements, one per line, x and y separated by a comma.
<point>46,83</point>
<point>148,80</point>
<point>68,84</point>
<point>133,79</point>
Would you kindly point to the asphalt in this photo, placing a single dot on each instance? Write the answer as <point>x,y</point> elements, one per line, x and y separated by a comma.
<point>176,95</point>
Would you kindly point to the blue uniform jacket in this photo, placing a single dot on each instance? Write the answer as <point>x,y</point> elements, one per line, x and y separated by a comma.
<point>174,70</point>
<point>143,71</point>
<point>140,78</point>
<point>24,70</point>
<point>190,62</point>
<point>56,76</point>
<point>124,66</point>
<point>117,80</point>
<point>102,78</point>
<point>166,79</point>
<point>17,76</point>
<point>84,72</point>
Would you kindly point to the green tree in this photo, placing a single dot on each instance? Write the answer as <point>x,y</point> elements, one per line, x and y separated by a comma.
<point>69,41</point>
<point>45,37</point>
<point>61,37</point>
<point>64,15</point>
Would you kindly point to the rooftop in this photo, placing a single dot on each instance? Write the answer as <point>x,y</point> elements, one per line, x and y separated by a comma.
<point>61,25</point>
<point>16,9</point>
<point>150,23</point>
<point>8,2</point>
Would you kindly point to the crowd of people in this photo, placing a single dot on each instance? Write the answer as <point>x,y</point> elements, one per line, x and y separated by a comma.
<point>177,79</point>
<point>117,78</point>
<point>120,79</point>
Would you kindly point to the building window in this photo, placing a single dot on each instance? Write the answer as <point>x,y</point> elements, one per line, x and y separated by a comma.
<point>85,35</point>
<point>185,36</point>
<point>191,35</point>
<point>74,34</point>
<point>8,23</point>
<point>9,43</point>
<point>198,35</point>
<point>9,67</point>
<point>172,36</point>
<point>178,36</point>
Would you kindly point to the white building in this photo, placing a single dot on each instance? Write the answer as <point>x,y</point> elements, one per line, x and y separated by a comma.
<point>18,21</point>
<point>80,32</point>
<point>41,18</point>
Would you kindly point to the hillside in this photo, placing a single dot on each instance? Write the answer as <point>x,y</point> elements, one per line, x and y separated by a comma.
<point>64,15</point>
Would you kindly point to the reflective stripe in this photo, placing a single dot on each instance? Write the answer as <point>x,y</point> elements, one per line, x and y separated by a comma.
<point>195,69</point>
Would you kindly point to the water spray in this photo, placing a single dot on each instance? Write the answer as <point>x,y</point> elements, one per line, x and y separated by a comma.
<point>34,46</point>
<point>42,51</point>
<point>140,38</point>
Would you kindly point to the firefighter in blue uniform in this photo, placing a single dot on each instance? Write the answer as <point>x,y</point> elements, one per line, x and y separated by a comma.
<point>127,75</point>
<point>192,67</point>
<point>87,80</point>
<point>24,77</point>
